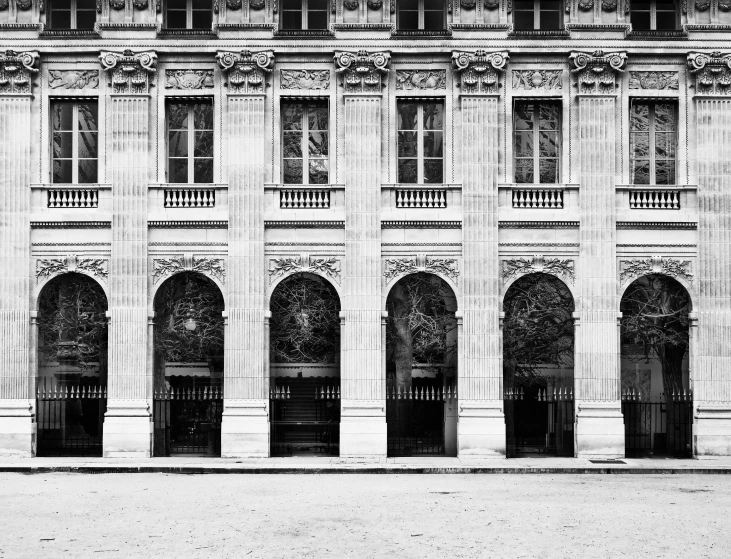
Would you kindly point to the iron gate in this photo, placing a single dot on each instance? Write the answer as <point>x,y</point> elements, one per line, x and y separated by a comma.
<point>187,421</point>
<point>646,425</point>
<point>541,423</point>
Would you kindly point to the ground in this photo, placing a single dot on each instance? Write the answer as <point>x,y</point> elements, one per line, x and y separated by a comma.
<point>353,515</point>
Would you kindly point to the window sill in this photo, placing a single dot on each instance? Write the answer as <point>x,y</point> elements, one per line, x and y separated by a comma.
<point>282,186</point>
<point>539,34</point>
<point>70,186</point>
<point>648,35</point>
<point>66,33</point>
<point>421,33</point>
<point>188,185</point>
<point>303,33</point>
<point>429,186</point>
<point>183,33</point>
<point>656,187</point>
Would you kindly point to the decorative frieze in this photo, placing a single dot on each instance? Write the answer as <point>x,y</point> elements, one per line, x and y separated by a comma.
<point>537,79</point>
<point>653,80</point>
<point>350,5</point>
<point>559,267</point>
<point>16,71</point>
<point>246,70</point>
<point>328,266</point>
<point>305,79</point>
<point>597,71</point>
<point>395,267</point>
<point>632,269</point>
<point>188,79</point>
<point>609,5</point>
<point>165,267</point>
<point>362,71</point>
<point>73,79</point>
<point>586,5</point>
<point>129,72</point>
<point>479,70</point>
<point>712,72</point>
<point>421,79</point>
<point>48,267</point>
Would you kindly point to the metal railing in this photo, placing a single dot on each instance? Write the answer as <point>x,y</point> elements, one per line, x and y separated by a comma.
<point>662,427</point>
<point>187,421</point>
<point>539,424</point>
<point>304,199</point>
<point>421,198</point>
<point>190,198</point>
<point>537,198</point>
<point>654,199</point>
<point>73,198</point>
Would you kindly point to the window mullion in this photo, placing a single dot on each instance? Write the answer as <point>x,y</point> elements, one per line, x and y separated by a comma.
<point>421,14</point>
<point>75,145</point>
<point>420,144</point>
<point>304,26</point>
<point>536,14</point>
<point>651,114</point>
<point>536,139</point>
<point>305,145</point>
<point>191,144</point>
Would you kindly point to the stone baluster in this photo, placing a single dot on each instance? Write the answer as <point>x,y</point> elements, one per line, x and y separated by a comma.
<point>481,426</point>
<point>127,426</point>
<point>363,416</point>
<point>245,424</point>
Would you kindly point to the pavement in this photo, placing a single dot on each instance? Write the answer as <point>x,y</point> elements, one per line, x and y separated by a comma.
<point>322,465</point>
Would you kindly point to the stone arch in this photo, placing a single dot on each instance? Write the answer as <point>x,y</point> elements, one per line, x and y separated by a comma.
<point>276,282</point>
<point>446,279</point>
<point>570,285</point>
<point>159,282</point>
<point>42,283</point>
<point>687,285</point>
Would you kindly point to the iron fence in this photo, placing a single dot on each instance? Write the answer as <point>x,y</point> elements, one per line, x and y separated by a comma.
<point>663,427</point>
<point>187,421</point>
<point>69,420</point>
<point>539,423</point>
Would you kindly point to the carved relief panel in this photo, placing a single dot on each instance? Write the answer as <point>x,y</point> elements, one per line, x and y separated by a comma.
<point>327,266</point>
<point>46,268</point>
<point>162,268</point>
<point>562,268</point>
<point>396,267</point>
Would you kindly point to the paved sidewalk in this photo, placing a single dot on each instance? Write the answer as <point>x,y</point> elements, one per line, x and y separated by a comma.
<point>314,465</point>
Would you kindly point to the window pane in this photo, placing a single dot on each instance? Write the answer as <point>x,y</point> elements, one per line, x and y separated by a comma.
<point>292,144</point>
<point>434,116</point>
<point>407,146</point>
<point>85,20</point>
<point>408,4</point>
<point>665,21</point>
<point>177,144</point>
<point>318,171</point>
<point>87,144</point>
<point>177,117</point>
<point>202,19</point>
<point>641,171</point>
<point>62,144</point>
<point>87,171</point>
<point>433,172</point>
<point>61,5</point>
<point>318,144</point>
<point>433,144</point>
<point>203,170</point>
<point>524,116</point>
<point>548,144</point>
<point>639,118</point>
<point>524,170</point>
<point>60,20</point>
<point>523,21</point>
<point>434,5</point>
<point>317,117</point>
<point>291,4</point>
<point>203,116</point>
<point>88,116</point>
<point>292,171</point>
<point>407,116</point>
<point>62,171</point>
<point>548,169</point>
<point>178,170</point>
<point>176,4</point>
<point>523,144</point>
<point>62,116</point>
<point>550,20</point>
<point>176,20</point>
<point>665,145</point>
<point>548,116</point>
<point>665,172</point>
<point>640,144</point>
<point>317,20</point>
<point>317,5</point>
<point>408,20</point>
<point>433,20</point>
<point>640,21</point>
<point>201,4</point>
<point>292,117</point>
<point>664,117</point>
<point>407,171</point>
<point>291,20</point>
<point>203,146</point>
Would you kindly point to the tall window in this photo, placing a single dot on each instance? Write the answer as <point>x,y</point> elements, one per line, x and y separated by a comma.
<point>74,154</point>
<point>421,14</point>
<point>536,144</point>
<point>420,142</point>
<point>190,142</point>
<point>304,14</point>
<point>71,14</point>
<point>305,143</point>
<point>188,14</point>
<point>532,15</point>
<point>653,141</point>
<point>653,15</point>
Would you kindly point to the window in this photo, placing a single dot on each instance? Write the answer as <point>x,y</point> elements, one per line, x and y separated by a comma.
<point>421,14</point>
<point>305,143</point>
<point>533,15</point>
<point>420,142</point>
<point>657,15</point>
<point>74,154</point>
<point>536,133</point>
<point>653,141</point>
<point>190,142</point>
<point>188,14</point>
<point>304,14</point>
<point>71,14</point>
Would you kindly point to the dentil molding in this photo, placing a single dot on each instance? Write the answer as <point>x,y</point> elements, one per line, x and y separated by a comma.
<point>165,267</point>
<point>48,267</point>
<point>636,267</point>
<point>329,266</point>
<point>559,267</point>
<point>246,70</point>
<point>395,267</point>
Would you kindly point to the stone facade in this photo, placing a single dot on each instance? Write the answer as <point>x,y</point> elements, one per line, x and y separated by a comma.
<point>591,228</point>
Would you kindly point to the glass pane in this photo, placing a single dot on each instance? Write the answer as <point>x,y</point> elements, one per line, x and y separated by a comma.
<point>292,144</point>
<point>548,116</point>
<point>640,144</point>
<point>291,4</point>
<point>317,20</point>
<point>203,116</point>
<point>433,144</point>
<point>61,5</point>
<point>407,116</point>
<point>434,5</point>
<point>292,117</point>
<point>408,5</point>
<point>84,4</point>
<point>641,171</point>
<point>408,20</point>
<point>203,170</point>
<point>550,5</point>
<point>85,20</point>
<point>665,21</point>
<point>62,116</point>
<point>664,117</point>
<point>640,21</point>
<point>292,20</point>
<point>62,144</point>
<point>665,145</point>
<point>60,20</point>
<point>523,21</point>
<point>318,144</point>
<point>88,116</point>
<point>433,171</point>
<point>177,117</point>
<point>548,169</point>
<point>318,171</point>
<point>176,20</point>
<point>407,146</point>
<point>317,5</point>
<point>524,170</point>
<point>523,5</point>
<point>548,144</point>
<point>292,171</point>
<point>177,144</point>
<point>550,21</point>
<point>665,172</point>
<point>176,4</point>
<point>434,21</point>
<point>203,146</point>
<point>407,171</point>
<point>524,116</point>
<point>201,4</point>
<point>317,117</point>
<point>202,19</point>
<point>639,117</point>
<point>87,144</point>
<point>434,116</point>
<point>523,146</point>
<point>87,171</point>
<point>62,171</point>
<point>178,170</point>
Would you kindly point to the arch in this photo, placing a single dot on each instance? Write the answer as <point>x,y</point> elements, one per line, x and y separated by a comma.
<point>311,272</point>
<point>570,286</point>
<point>160,282</point>
<point>388,287</point>
<point>687,285</point>
<point>41,285</point>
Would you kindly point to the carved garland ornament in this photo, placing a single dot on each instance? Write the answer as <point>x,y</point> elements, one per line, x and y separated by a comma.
<point>329,266</point>
<point>73,79</point>
<point>395,267</point>
<point>421,79</point>
<point>350,5</point>
<point>4,4</point>
<point>586,5</point>
<point>653,80</point>
<point>712,72</point>
<point>129,72</point>
<point>537,79</point>
<point>559,267</point>
<point>479,70</point>
<point>164,267</point>
<point>724,5</point>
<point>630,269</point>
<point>188,79</point>
<point>362,71</point>
<point>117,4</point>
<point>48,267</point>
<point>24,5</point>
<point>596,72</point>
<point>702,5</point>
<point>305,79</point>
<point>140,4</point>
<point>16,71</point>
<point>492,4</point>
<point>375,4</point>
<point>609,5</point>
<point>468,4</point>
<point>246,70</point>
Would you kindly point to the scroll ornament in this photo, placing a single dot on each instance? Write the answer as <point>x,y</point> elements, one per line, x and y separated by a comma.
<point>48,267</point>
<point>478,70</point>
<point>16,71</point>
<point>712,72</point>
<point>328,266</point>
<point>558,267</point>
<point>164,267</point>
<point>246,70</point>
<point>395,267</point>
<point>362,71</point>
<point>596,71</point>
<point>130,72</point>
<point>672,267</point>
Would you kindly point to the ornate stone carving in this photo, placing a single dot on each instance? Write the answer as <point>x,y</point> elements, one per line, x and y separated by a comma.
<point>236,4</point>
<point>479,70</point>
<point>350,5</point>
<point>4,4</point>
<point>559,267</point>
<point>73,79</point>
<point>631,269</point>
<point>24,5</point>
<point>305,79</point>
<point>16,71</point>
<point>395,267</point>
<point>129,72</point>
<point>492,5</point>
<point>609,5</point>
<point>421,79</point>
<point>537,79</point>
<point>164,267</point>
<point>702,5</point>
<point>48,267</point>
<point>246,70</point>
<point>586,5</point>
<point>362,71</point>
<point>188,79</point>
<point>597,72</point>
<point>140,4</point>
<point>328,266</point>
<point>712,72</point>
<point>375,4</point>
<point>468,4</point>
<point>117,4</point>
<point>653,80</point>
<point>724,5</point>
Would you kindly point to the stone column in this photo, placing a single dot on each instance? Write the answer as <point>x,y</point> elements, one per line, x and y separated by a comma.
<point>17,430</point>
<point>362,377</point>
<point>245,426</point>
<point>127,425</point>
<point>599,423</point>
<point>481,423</point>
<point>711,370</point>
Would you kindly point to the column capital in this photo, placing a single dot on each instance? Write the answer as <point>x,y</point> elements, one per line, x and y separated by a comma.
<point>362,71</point>
<point>597,71</point>
<point>712,73</point>
<point>16,72</point>
<point>129,72</point>
<point>479,70</point>
<point>246,70</point>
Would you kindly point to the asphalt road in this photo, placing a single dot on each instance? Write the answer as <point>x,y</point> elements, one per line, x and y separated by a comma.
<point>247,516</point>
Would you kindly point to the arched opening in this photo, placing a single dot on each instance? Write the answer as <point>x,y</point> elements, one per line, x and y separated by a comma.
<point>304,367</point>
<point>538,367</point>
<point>421,367</point>
<point>657,403</point>
<point>188,366</point>
<point>72,367</point>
